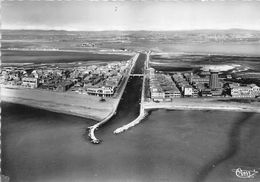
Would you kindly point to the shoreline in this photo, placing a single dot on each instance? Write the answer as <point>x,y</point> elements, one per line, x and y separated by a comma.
<point>207,53</point>
<point>204,105</point>
<point>146,107</point>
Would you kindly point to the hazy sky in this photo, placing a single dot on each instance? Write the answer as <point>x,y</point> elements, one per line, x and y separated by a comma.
<point>87,15</point>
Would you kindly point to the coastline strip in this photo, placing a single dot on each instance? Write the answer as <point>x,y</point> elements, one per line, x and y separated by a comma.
<point>93,128</point>
<point>203,106</point>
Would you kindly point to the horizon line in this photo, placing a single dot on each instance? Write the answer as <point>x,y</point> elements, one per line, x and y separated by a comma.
<point>134,30</point>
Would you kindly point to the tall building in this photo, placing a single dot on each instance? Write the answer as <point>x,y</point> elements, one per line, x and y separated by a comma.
<point>191,77</point>
<point>213,81</point>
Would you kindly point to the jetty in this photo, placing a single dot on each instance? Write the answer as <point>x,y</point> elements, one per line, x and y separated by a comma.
<point>94,127</point>
<point>142,112</point>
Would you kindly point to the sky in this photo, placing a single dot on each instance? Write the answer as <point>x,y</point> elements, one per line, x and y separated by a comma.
<point>130,15</point>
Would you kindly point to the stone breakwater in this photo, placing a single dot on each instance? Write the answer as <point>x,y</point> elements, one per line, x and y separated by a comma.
<point>93,128</point>
<point>141,116</point>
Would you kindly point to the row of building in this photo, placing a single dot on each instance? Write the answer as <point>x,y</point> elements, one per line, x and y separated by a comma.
<point>192,85</point>
<point>212,85</point>
<point>184,86</point>
<point>93,80</point>
<point>165,87</point>
<point>241,91</point>
<point>162,87</point>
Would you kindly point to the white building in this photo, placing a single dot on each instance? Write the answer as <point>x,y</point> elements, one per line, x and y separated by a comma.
<point>255,89</point>
<point>158,96</point>
<point>245,91</point>
<point>30,82</point>
<point>100,91</point>
<point>188,91</point>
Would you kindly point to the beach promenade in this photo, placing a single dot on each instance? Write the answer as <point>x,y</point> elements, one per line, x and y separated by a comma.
<point>222,104</point>
<point>82,105</point>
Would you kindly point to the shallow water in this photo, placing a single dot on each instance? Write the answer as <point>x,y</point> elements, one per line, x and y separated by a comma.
<point>41,146</point>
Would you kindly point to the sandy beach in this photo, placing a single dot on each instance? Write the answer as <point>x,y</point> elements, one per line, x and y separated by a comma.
<point>204,104</point>
<point>68,102</point>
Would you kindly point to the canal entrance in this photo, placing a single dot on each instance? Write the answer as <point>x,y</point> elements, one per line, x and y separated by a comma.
<point>129,105</point>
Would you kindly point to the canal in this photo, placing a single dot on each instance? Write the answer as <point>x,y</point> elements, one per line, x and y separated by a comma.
<point>129,105</point>
<point>139,65</point>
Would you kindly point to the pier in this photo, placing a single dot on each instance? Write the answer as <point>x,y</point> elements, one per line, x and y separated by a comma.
<point>93,128</point>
